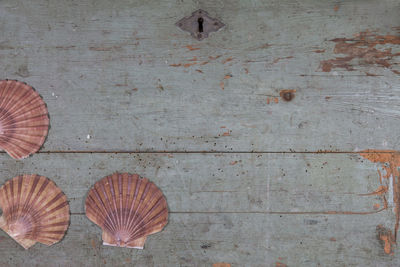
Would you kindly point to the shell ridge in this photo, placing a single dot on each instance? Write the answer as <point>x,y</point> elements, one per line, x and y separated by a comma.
<point>141,219</point>
<point>10,102</point>
<point>132,205</point>
<point>136,229</point>
<point>138,205</point>
<point>10,85</point>
<point>109,208</point>
<point>102,206</point>
<point>29,204</point>
<point>113,198</point>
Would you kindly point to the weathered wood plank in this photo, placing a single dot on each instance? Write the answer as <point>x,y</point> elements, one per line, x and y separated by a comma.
<point>123,74</point>
<point>245,209</point>
<point>220,182</point>
<point>204,239</point>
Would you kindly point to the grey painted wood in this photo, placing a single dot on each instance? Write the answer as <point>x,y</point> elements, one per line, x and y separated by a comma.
<point>244,209</point>
<point>104,69</point>
<point>120,76</point>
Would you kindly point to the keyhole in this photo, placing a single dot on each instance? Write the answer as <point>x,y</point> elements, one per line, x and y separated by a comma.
<point>200,21</point>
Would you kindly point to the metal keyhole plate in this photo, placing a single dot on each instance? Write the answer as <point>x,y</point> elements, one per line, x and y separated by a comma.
<point>200,24</point>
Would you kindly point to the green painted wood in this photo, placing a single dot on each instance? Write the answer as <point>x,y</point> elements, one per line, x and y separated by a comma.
<point>120,76</point>
<point>245,209</point>
<point>126,65</point>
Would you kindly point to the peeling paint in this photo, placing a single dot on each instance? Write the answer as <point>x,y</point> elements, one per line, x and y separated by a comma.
<point>362,50</point>
<point>192,48</point>
<point>389,181</point>
<point>386,237</point>
<point>221,264</point>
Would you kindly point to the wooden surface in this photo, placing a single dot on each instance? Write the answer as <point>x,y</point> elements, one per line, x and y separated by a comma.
<point>207,121</point>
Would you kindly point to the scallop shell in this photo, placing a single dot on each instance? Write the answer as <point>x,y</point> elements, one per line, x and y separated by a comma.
<point>24,120</point>
<point>128,208</point>
<point>34,210</point>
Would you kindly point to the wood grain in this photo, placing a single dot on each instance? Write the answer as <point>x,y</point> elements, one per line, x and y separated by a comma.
<point>119,76</point>
<point>126,65</point>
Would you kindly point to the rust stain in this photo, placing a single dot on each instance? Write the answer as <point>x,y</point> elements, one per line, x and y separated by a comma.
<point>193,59</point>
<point>280,264</point>
<point>187,65</point>
<point>336,8</point>
<point>227,60</point>
<point>214,57</point>
<point>227,76</point>
<point>268,100</point>
<point>222,85</point>
<point>319,51</point>
<point>386,237</point>
<point>287,95</point>
<point>226,133</point>
<point>246,70</point>
<point>192,48</point>
<point>199,71</point>
<point>390,162</point>
<point>332,239</point>
<point>233,162</point>
<point>221,264</point>
<point>175,65</point>
<point>276,100</point>
<point>362,50</point>
<point>371,74</point>
<point>328,97</point>
<point>377,206</point>
<point>93,243</point>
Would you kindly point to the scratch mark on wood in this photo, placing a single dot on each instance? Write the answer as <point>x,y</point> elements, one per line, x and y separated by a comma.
<point>281,58</point>
<point>363,48</point>
<point>319,51</point>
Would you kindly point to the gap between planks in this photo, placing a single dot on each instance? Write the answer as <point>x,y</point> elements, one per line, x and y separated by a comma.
<point>200,152</point>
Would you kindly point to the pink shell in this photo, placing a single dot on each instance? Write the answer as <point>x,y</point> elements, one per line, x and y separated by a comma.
<point>24,120</point>
<point>128,209</point>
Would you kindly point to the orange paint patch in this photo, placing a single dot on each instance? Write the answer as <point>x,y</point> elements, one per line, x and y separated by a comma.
<point>187,65</point>
<point>93,243</point>
<point>319,51</point>
<point>226,134</point>
<point>280,264</point>
<point>222,85</point>
<point>376,206</point>
<point>191,48</point>
<point>386,237</point>
<point>227,60</point>
<point>389,161</point>
<point>380,191</point>
<point>227,76</point>
<point>221,264</point>
<point>362,50</point>
<point>276,100</point>
<point>175,65</point>
<point>214,57</point>
<point>336,8</point>
<point>193,59</point>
